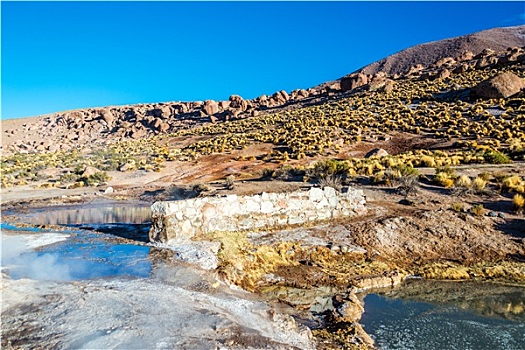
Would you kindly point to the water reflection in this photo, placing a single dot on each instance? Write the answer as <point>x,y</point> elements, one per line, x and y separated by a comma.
<point>91,214</point>
<point>446,315</point>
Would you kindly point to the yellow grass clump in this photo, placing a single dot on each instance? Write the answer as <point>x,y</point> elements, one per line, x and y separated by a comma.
<point>518,201</point>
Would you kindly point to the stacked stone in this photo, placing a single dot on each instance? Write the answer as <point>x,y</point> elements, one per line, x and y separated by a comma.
<point>177,222</point>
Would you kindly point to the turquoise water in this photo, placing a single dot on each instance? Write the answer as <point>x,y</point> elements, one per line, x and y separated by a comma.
<point>458,316</point>
<point>84,254</point>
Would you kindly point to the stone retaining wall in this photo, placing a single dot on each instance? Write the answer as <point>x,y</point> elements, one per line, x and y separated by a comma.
<point>177,222</point>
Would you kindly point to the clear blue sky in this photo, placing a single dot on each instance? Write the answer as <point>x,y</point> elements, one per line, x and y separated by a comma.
<point>66,55</point>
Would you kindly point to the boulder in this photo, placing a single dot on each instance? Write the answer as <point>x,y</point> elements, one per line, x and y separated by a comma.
<point>262,101</point>
<point>90,170</point>
<point>128,166</point>
<point>378,152</point>
<point>377,82</point>
<point>415,70</point>
<point>466,56</point>
<point>442,74</point>
<point>485,53</point>
<point>353,81</point>
<point>238,102</point>
<point>224,105</point>
<point>446,61</point>
<point>333,87</point>
<point>280,97</point>
<point>160,125</point>
<point>461,68</point>
<point>210,107</point>
<point>138,133</point>
<point>502,85</point>
<point>107,116</point>
<point>165,112</point>
<point>389,85</point>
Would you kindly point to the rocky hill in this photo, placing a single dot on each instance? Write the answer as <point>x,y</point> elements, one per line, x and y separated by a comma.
<point>497,39</point>
<point>88,127</point>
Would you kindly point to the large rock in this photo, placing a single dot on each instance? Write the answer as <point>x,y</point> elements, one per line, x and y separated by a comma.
<point>165,112</point>
<point>90,171</point>
<point>237,102</point>
<point>107,116</point>
<point>210,107</point>
<point>353,81</point>
<point>378,152</point>
<point>280,97</point>
<point>502,85</point>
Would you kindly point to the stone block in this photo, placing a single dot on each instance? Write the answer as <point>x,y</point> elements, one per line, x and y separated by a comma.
<point>267,207</point>
<point>252,206</point>
<point>316,194</point>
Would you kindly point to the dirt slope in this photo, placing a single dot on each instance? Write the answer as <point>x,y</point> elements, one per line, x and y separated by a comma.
<point>497,39</point>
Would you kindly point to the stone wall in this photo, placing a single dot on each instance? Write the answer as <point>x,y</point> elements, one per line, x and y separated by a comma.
<point>177,222</point>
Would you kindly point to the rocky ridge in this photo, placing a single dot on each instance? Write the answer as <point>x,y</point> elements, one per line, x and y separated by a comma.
<point>76,129</point>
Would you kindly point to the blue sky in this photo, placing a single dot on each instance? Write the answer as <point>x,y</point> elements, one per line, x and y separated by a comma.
<point>65,55</point>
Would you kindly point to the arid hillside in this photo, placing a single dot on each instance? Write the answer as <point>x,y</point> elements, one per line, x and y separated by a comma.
<point>497,39</point>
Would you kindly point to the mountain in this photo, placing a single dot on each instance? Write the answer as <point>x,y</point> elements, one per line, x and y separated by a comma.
<point>497,39</point>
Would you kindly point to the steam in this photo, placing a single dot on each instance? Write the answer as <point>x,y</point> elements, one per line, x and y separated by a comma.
<point>21,261</point>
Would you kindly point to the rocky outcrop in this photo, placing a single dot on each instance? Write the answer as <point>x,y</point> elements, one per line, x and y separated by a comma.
<point>353,81</point>
<point>210,107</point>
<point>502,85</point>
<point>178,222</point>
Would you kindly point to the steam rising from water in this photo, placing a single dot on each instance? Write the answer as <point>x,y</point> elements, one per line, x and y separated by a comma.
<point>64,257</point>
<point>19,257</point>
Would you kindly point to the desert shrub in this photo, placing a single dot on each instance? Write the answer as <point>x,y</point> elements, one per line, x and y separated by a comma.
<point>458,207</point>
<point>451,174</point>
<point>396,172</point>
<point>334,181</point>
<point>499,176</point>
<point>463,181</point>
<point>484,176</point>
<point>443,179</point>
<point>478,210</point>
<point>229,182</point>
<point>97,178</point>
<point>518,202</point>
<point>287,173</point>
<point>479,184</point>
<point>513,183</point>
<point>407,185</point>
<point>328,167</point>
<point>462,185</point>
<point>69,177</point>
<point>267,173</point>
<point>494,157</point>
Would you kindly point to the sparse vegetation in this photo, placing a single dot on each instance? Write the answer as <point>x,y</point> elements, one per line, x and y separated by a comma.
<point>478,210</point>
<point>96,179</point>
<point>458,207</point>
<point>333,181</point>
<point>518,202</point>
<point>229,182</point>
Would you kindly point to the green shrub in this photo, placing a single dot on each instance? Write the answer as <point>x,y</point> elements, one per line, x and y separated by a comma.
<point>494,157</point>
<point>97,178</point>
<point>478,210</point>
<point>458,207</point>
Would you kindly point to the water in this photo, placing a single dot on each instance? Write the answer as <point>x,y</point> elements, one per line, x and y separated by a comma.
<point>447,315</point>
<point>77,254</point>
<point>92,213</point>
